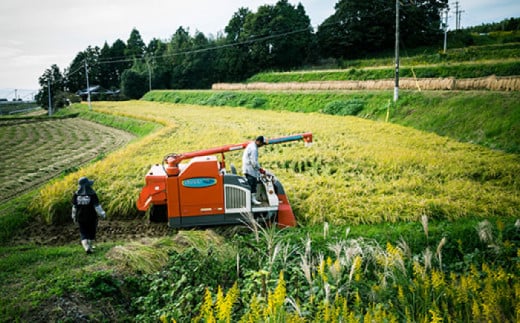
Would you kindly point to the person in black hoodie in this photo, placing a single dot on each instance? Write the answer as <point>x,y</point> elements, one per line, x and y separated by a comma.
<point>85,212</point>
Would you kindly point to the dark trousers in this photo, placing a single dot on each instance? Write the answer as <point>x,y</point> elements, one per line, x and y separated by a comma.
<point>253,181</point>
<point>87,229</point>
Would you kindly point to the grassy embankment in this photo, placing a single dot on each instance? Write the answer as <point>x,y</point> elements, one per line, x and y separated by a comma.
<point>470,62</point>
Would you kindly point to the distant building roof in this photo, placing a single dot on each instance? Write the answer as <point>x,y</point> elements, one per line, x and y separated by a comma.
<point>96,89</point>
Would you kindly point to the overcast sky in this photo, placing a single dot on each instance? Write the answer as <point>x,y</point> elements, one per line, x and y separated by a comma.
<point>35,34</point>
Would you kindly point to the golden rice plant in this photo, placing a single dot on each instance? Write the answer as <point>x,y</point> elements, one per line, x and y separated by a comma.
<point>145,256</point>
<point>357,171</point>
<point>151,254</point>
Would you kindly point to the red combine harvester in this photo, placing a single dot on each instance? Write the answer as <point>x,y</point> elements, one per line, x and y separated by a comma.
<point>201,192</point>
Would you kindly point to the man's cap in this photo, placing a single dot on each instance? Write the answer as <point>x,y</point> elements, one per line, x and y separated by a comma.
<point>260,139</point>
<point>85,181</point>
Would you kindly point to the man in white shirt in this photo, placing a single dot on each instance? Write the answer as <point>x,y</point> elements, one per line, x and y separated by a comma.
<point>250,166</point>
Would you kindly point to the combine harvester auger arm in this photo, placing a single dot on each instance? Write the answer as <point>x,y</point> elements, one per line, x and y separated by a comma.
<point>200,192</point>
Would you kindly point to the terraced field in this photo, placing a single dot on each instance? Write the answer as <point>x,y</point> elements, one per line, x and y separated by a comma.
<point>37,150</point>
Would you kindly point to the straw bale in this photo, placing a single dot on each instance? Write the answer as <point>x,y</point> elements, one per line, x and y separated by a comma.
<point>493,83</point>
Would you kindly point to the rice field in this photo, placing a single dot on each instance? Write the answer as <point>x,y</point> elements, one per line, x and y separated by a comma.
<point>357,171</point>
<point>37,150</point>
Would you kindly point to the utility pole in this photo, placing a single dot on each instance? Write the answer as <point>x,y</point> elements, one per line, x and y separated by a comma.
<point>88,86</point>
<point>149,75</point>
<point>458,13</point>
<point>396,87</point>
<point>49,94</point>
<point>446,30</point>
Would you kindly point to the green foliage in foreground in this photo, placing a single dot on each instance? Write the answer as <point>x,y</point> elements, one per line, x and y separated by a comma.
<point>417,271</point>
<point>37,282</point>
<point>491,119</point>
<point>13,215</point>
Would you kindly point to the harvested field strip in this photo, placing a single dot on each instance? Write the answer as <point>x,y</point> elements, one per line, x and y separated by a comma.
<point>37,151</point>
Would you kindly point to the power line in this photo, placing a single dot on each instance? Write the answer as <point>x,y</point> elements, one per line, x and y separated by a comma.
<point>243,42</point>
<point>194,51</point>
<point>446,30</point>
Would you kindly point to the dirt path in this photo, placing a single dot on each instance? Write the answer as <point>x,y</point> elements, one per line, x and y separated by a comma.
<point>108,230</point>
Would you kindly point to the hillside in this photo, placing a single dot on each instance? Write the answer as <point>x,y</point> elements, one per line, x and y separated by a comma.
<point>467,62</point>
<point>375,162</point>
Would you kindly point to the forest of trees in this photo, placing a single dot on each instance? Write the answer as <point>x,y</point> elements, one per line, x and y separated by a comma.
<point>511,24</point>
<point>275,37</point>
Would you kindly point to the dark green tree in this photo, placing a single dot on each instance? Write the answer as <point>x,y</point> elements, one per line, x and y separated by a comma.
<point>155,59</point>
<point>134,84</point>
<point>75,77</point>
<point>511,24</point>
<point>176,58</point>
<point>292,48</point>
<point>233,62</point>
<point>199,63</point>
<point>107,75</point>
<point>280,36</point>
<point>135,46</point>
<point>358,28</point>
<point>51,77</point>
<point>112,64</point>
<point>420,23</point>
